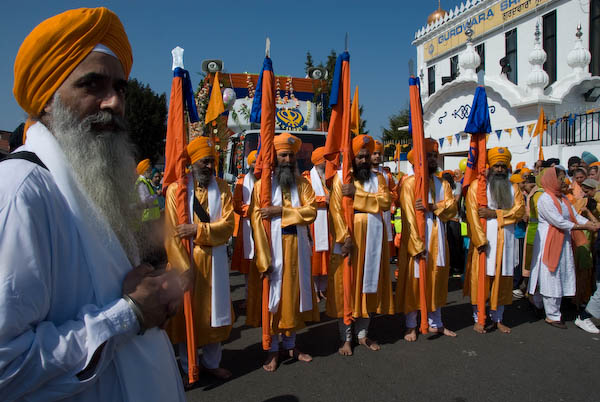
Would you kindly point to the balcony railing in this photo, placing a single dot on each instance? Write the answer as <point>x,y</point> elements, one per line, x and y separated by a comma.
<point>573,129</point>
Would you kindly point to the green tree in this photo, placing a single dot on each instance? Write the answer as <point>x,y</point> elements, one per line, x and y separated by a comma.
<point>400,119</point>
<point>362,127</point>
<point>308,63</point>
<point>146,114</point>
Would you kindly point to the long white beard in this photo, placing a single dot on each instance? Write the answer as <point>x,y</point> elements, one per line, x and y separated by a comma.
<point>104,166</point>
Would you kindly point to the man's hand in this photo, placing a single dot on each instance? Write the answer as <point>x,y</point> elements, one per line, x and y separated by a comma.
<point>348,190</point>
<point>187,279</point>
<point>422,254</point>
<point>487,213</point>
<point>270,212</point>
<point>186,230</point>
<point>419,206</point>
<point>263,275</point>
<point>347,247</point>
<point>482,249</point>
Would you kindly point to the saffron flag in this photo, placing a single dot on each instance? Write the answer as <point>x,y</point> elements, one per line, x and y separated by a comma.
<point>215,103</point>
<point>339,140</point>
<point>540,127</point>
<point>176,162</point>
<point>478,125</point>
<point>421,185</point>
<point>263,107</point>
<point>355,114</point>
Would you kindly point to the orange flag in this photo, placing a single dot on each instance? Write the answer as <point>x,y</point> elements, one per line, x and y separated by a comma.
<point>176,162</point>
<point>215,103</point>
<point>355,114</point>
<point>540,127</point>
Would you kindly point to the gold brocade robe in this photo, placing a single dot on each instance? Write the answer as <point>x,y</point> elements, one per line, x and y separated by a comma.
<point>362,304</point>
<point>288,318</point>
<point>501,286</point>
<point>208,235</point>
<point>407,286</point>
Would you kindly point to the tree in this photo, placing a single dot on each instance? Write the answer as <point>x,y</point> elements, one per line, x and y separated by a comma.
<point>362,126</point>
<point>146,115</point>
<point>396,121</point>
<point>308,63</point>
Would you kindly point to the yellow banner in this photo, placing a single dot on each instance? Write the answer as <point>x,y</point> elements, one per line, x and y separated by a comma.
<point>497,14</point>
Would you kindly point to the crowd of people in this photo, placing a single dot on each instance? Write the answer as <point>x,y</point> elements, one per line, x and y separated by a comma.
<point>93,265</point>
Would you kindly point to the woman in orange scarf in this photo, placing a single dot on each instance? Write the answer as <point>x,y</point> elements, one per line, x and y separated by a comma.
<point>553,266</point>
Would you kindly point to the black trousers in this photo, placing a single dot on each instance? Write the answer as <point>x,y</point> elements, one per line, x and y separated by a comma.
<point>455,246</point>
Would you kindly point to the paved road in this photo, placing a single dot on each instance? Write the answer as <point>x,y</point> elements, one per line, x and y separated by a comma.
<point>535,362</point>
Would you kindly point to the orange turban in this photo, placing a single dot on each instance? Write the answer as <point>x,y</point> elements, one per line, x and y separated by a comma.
<point>318,156</point>
<point>378,147</point>
<point>362,141</point>
<point>200,147</point>
<point>142,166</point>
<point>287,142</point>
<point>430,146</point>
<point>55,48</point>
<point>595,164</point>
<point>251,158</point>
<point>516,178</point>
<point>499,155</point>
<point>525,171</point>
<point>520,165</point>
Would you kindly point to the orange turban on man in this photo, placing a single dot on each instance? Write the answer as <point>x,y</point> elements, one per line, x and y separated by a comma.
<point>378,147</point>
<point>287,142</point>
<point>142,166</point>
<point>499,155</point>
<point>199,148</point>
<point>318,156</point>
<point>363,141</point>
<point>54,48</point>
<point>251,158</point>
<point>520,165</point>
<point>430,146</point>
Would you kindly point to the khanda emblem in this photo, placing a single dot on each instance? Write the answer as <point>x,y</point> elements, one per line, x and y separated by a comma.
<point>289,119</point>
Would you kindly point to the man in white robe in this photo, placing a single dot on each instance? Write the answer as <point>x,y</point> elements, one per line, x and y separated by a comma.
<point>72,310</point>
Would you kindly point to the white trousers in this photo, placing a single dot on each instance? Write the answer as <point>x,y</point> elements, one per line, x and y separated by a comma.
<point>434,319</point>
<point>211,356</point>
<point>361,328</point>
<point>495,315</point>
<point>288,342</point>
<point>551,305</point>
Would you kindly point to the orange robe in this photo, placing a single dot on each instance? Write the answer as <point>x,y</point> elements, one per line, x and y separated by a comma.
<point>288,318</point>
<point>407,286</point>
<point>362,304</point>
<point>208,235</point>
<point>238,262</point>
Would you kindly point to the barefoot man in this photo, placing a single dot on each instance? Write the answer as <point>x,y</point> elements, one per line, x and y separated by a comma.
<point>286,260</point>
<point>505,207</point>
<point>441,207</point>
<point>368,246</point>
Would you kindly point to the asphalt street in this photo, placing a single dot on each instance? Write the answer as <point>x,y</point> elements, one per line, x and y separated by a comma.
<point>536,362</point>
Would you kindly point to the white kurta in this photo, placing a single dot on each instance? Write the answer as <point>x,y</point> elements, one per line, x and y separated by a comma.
<point>60,295</point>
<point>562,281</point>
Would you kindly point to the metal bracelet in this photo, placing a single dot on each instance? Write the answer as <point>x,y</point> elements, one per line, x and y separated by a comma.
<point>138,313</point>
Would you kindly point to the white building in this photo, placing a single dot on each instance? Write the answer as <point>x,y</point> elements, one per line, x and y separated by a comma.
<point>550,50</point>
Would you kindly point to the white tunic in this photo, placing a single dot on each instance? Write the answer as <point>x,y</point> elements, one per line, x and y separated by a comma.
<point>60,295</point>
<point>562,281</point>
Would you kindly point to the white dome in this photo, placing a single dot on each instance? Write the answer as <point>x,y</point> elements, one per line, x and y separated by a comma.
<point>579,58</point>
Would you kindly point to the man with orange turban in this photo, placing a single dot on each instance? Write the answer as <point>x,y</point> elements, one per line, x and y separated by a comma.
<point>506,206</point>
<point>286,259</point>
<point>146,192</point>
<point>82,291</point>
<point>321,227</point>
<point>376,164</point>
<point>211,227</point>
<point>243,251</point>
<point>439,209</point>
<point>367,245</point>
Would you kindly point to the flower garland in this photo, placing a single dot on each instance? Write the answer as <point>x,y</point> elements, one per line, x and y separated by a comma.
<point>250,86</point>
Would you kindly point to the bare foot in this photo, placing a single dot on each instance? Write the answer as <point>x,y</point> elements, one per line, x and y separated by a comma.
<point>369,343</point>
<point>219,372</point>
<point>271,362</point>
<point>296,354</point>
<point>411,335</point>
<point>479,328</point>
<point>503,328</point>
<point>443,330</point>
<point>346,349</point>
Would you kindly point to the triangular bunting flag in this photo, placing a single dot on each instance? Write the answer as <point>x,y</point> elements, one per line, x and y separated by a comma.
<point>498,133</point>
<point>449,138</point>
<point>487,137</point>
<point>520,130</point>
<point>441,140</point>
<point>530,128</point>
<point>457,138</point>
<point>509,131</point>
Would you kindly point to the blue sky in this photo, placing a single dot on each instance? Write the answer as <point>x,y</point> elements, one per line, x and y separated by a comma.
<point>381,32</point>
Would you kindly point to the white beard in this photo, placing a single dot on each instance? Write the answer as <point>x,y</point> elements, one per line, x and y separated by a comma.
<point>104,166</point>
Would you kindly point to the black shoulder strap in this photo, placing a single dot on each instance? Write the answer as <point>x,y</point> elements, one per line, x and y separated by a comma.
<point>25,155</point>
<point>201,212</point>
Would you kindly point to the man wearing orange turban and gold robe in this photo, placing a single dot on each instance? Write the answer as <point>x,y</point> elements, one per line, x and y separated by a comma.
<point>505,207</point>
<point>368,247</point>
<point>376,164</point>
<point>81,317</point>
<point>441,208</point>
<point>211,227</point>
<point>286,259</point>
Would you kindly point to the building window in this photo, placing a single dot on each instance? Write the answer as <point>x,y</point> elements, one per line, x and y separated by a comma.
<point>510,41</point>
<point>453,67</point>
<point>431,80</point>
<point>480,49</point>
<point>549,43</point>
<point>595,36</point>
